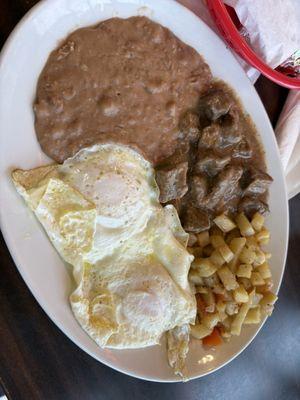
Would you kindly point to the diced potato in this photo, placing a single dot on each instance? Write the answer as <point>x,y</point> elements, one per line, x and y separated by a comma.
<point>267,303</point>
<point>199,331</point>
<point>220,307</point>
<point>244,225</point>
<point>260,258</point>
<point>210,320</point>
<point>252,243</point>
<point>195,277</point>
<point>217,241</point>
<point>238,320</point>
<point>209,298</point>
<point>196,251</point>
<point>224,223</point>
<point>253,316</point>
<point>268,298</point>
<point>244,271</point>
<point>263,236</point>
<point>203,239</point>
<point>245,282</point>
<point>232,308</point>
<point>240,295</point>
<point>264,270</point>
<point>211,281</point>
<point>216,258</point>
<point>256,279</point>
<point>204,266</point>
<point>201,289</point>
<point>226,253</point>
<point>247,256</point>
<point>233,264</point>
<point>237,244</point>
<point>257,221</point>
<point>227,278</point>
<point>207,250</point>
<point>235,233</point>
<point>256,299</point>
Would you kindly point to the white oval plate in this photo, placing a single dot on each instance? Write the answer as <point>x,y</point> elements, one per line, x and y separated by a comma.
<point>22,60</point>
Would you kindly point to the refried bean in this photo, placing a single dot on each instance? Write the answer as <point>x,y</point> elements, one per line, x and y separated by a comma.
<point>125,80</point>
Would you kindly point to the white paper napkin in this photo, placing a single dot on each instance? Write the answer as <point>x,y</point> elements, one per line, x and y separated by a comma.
<point>274,40</point>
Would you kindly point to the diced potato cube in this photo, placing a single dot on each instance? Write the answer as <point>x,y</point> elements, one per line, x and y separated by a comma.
<point>267,303</point>
<point>232,308</point>
<point>257,221</point>
<point>268,255</point>
<point>237,244</point>
<point>227,278</point>
<point>256,279</point>
<point>204,266</point>
<point>195,278</point>
<point>209,298</point>
<point>247,256</point>
<point>196,251</point>
<point>256,299</point>
<point>245,282</point>
<point>220,307</point>
<point>224,223</point>
<point>233,264</point>
<point>244,225</point>
<point>264,270</point>
<point>201,289</point>
<point>263,236</point>
<point>203,238</point>
<point>199,331</point>
<point>252,243</point>
<point>217,241</point>
<point>235,233</point>
<point>216,258</point>
<point>260,258</point>
<point>238,320</point>
<point>226,253</point>
<point>268,298</point>
<point>244,271</point>
<point>210,320</point>
<point>240,295</point>
<point>253,316</point>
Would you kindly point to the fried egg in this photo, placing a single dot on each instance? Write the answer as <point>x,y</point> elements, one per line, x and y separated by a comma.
<point>101,211</point>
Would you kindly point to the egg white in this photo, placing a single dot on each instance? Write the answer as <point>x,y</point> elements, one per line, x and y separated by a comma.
<point>101,210</point>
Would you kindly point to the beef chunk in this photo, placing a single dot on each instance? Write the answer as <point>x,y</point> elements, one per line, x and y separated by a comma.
<point>225,188</point>
<point>189,127</point>
<point>211,165</point>
<point>210,137</point>
<point>251,205</point>
<point>172,182</point>
<point>242,150</point>
<point>195,220</point>
<point>215,104</point>
<point>223,134</point>
<point>198,189</point>
<point>230,129</point>
<point>257,182</point>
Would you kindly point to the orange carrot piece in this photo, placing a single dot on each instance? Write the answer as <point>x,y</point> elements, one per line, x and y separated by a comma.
<point>214,339</point>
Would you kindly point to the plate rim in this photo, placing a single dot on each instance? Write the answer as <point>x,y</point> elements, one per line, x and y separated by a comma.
<point>16,258</point>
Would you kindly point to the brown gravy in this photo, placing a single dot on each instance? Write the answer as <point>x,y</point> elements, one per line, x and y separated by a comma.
<point>132,81</point>
<point>124,80</point>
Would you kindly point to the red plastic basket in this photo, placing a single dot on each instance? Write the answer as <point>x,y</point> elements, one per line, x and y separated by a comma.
<point>238,43</point>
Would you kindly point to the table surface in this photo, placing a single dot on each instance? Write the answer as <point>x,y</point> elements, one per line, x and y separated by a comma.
<point>37,361</point>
